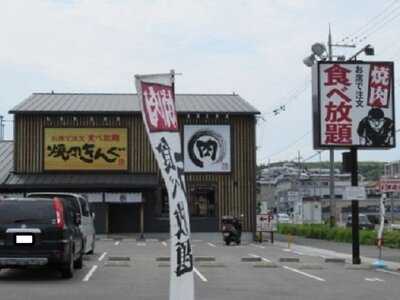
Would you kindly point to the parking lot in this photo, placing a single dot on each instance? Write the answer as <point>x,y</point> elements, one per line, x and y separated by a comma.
<point>130,269</point>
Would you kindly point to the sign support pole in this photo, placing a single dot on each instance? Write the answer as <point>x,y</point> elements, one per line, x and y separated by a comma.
<point>354,209</point>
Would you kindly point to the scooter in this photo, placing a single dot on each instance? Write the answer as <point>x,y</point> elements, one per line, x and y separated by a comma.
<point>231,230</point>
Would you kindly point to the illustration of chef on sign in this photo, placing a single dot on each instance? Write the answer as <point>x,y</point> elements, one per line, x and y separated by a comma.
<point>356,104</point>
<point>207,148</point>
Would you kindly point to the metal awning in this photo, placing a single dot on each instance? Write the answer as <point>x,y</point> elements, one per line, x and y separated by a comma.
<point>79,182</point>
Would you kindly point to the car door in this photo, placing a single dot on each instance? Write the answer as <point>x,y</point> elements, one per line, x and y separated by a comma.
<point>86,227</point>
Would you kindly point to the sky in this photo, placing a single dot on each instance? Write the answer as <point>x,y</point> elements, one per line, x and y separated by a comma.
<point>253,48</point>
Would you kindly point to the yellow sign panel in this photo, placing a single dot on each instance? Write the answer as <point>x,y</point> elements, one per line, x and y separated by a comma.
<point>85,149</point>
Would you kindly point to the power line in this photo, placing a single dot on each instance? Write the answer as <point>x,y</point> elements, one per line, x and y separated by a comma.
<point>287,147</point>
<point>313,155</point>
<point>296,92</point>
<point>372,22</point>
<point>379,27</point>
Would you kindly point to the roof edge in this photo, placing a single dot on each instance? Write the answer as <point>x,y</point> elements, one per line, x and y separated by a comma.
<point>127,113</point>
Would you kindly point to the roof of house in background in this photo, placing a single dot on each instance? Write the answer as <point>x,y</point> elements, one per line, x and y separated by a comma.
<point>97,103</point>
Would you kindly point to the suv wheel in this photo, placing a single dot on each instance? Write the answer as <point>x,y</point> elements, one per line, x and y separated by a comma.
<point>92,246</point>
<point>78,264</point>
<point>67,270</point>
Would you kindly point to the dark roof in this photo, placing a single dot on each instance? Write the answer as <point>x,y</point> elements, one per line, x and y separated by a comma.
<point>10,181</point>
<point>6,159</point>
<point>73,182</point>
<point>71,103</point>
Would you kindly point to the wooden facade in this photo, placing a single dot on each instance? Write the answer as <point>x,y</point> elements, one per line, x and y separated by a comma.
<point>235,191</point>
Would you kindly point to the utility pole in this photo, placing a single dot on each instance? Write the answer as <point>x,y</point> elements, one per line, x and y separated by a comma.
<point>1,128</point>
<point>332,203</point>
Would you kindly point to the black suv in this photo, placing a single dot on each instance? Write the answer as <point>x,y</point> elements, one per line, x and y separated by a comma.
<point>40,232</point>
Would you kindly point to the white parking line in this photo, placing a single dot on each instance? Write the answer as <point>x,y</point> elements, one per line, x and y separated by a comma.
<point>102,256</point>
<point>304,273</point>
<point>212,245</point>
<point>200,275</point>
<point>389,272</point>
<point>262,258</point>
<point>141,244</point>
<point>258,246</point>
<point>90,273</point>
<point>374,279</point>
<point>116,243</point>
<point>164,244</point>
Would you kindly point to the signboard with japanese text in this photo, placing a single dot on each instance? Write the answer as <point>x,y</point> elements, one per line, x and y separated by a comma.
<point>157,101</point>
<point>266,223</point>
<point>85,149</point>
<point>354,193</point>
<point>93,197</point>
<point>389,185</point>
<point>123,198</point>
<point>207,148</point>
<point>353,105</point>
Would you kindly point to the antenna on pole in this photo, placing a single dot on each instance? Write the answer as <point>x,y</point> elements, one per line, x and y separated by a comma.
<point>330,43</point>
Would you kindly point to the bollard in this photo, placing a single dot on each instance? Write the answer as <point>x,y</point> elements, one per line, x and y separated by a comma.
<point>290,240</point>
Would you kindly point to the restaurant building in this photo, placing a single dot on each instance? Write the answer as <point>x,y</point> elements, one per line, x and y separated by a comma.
<point>96,144</point>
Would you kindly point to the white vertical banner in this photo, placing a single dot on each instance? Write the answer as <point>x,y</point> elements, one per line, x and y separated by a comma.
<point>157,102</point>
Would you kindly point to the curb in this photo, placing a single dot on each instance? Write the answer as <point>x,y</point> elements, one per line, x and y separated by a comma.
<point>212,265</point>
<point>251,259</point>
<point>162,258</point>
<point>163,265</point>
<point>117,264</point>
<point>265,265</point>
<point>204,258</point>
<point>310,267</point>
<point>335,260</point>
<point>289,259</point>
<point>119,258</point>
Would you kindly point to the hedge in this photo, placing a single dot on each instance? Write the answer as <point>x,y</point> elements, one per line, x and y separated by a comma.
<point>339,234</point>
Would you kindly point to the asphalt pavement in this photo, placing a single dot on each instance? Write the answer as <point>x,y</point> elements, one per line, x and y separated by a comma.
<point>125,268</point>
<point>388,254</point>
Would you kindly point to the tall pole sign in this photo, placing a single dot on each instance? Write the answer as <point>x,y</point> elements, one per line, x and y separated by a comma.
<point>353,108</point>
<point>157,102</point>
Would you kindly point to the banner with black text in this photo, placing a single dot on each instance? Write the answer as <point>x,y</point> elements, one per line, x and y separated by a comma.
<point>157,102</point>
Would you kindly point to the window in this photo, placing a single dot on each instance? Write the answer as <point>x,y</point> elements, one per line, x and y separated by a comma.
<point>85,207</point>
<point>202,202</point>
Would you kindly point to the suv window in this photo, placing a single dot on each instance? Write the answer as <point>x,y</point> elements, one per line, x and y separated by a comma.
<point>15,211</point>
<point>85,207</point>
<point>71,200</point>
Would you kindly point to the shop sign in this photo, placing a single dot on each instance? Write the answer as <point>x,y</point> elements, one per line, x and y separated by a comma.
<point>123,198</point>
<point>85,149</point>
<point>207,148</point>
<point>266,223</point>
<point>94,197</point>
<point>389,185</point>
<point>355,193</point>
<point>353,105</point>
<point>157,102</point>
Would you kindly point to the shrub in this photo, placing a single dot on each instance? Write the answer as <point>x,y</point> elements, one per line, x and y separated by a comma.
<point>338,234</point>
